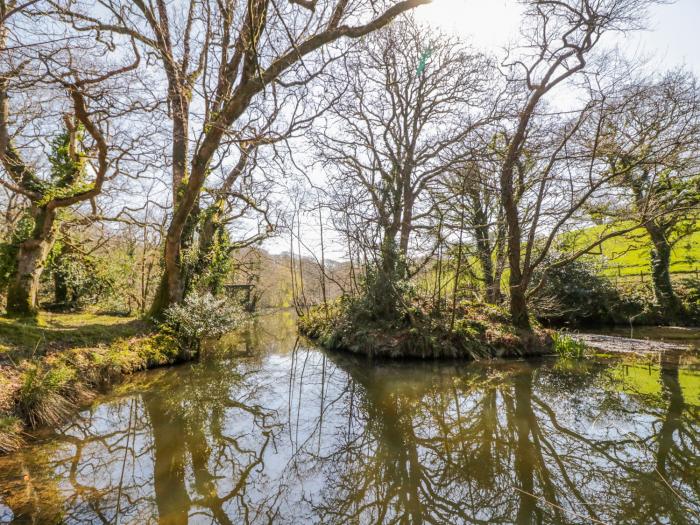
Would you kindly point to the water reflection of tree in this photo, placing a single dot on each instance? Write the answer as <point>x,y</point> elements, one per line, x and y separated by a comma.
<point>372,443</point>
<point>470,448</point>
<point>666,488</point>
<point>190,445</point>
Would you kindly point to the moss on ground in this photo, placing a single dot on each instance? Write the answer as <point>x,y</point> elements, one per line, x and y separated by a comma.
<point>63,360</point>
<point>31,337</point>
<point>480,331</point>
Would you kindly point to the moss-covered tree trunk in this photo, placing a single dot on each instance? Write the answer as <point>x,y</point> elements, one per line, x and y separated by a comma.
<point>60,289</point>
<point>661,275</point>
<point>483,250</point>
<point>22,293</point>
<point>176,274</point>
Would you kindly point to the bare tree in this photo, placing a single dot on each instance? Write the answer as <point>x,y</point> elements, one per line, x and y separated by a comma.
<point>408,98</point>
<point>560,39</point>
<point>652,141</point>
<point>81,157</point>
<point>216,58</point>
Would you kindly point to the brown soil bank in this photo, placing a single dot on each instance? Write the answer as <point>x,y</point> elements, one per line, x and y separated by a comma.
<point>479,331</point>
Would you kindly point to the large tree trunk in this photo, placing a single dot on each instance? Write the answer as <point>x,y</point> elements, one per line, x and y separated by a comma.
<point>173,283</point>
<point>661,276</point>
<point>23,291</point>
<point>517,284</point>
<point>516,281</point>
<point>518,306</point>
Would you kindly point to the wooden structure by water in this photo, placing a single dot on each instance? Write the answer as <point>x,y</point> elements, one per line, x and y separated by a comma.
<point>244,293</point>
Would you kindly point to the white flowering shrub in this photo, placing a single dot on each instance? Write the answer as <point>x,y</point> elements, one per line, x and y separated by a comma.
<point>202,316</point>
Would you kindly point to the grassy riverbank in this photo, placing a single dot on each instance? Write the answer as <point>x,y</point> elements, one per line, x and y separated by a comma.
<point>50,365</point>
<point>476,331</point>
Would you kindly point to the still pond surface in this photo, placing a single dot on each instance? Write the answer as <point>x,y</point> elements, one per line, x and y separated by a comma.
<point>275,431</point>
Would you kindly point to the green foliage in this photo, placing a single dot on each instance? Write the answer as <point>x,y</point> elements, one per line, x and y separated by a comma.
<point>40,396</point>
<point>10,248</point>
<point>66,169</point>
<point>480,331</point>
<point>568,346</point>
<point>579,294</point>
<point>21,338</point>
<point>631,252</point>
<point>45,389</point>
<point>213,262</point>
<point>201,316</point>
<point>688,291</point>
<point>576,294</point>
<point>386,292</point>
<point>77,278</point>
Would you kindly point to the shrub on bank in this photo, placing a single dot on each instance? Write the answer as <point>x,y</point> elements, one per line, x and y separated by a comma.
<point>479,331</point>
<point>577,294</point>
<point>201,316</point>
<point>566,346</point>
<point>689,292</point>
<point>44,389</point>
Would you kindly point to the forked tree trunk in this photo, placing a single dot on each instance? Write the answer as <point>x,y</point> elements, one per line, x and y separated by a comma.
<point>174,282</point>
<point>661,276</point>
<point>23,291</point>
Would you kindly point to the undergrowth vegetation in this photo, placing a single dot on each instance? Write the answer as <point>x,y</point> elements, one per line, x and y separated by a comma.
<point>51,364</point>
<point>33,337</point>
<point>46,390</point>
<point>479,331</point>
<point>201,316</point>
<point>567,346</point>
<point>579,294</point>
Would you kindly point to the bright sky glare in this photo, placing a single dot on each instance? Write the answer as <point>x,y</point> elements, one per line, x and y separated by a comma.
<point>671,40</point>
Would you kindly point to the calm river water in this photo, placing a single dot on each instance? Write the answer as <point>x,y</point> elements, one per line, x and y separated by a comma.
<point>271,430</point>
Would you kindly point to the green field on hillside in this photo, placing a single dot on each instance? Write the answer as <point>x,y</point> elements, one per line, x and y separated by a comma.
<point>629,254</point>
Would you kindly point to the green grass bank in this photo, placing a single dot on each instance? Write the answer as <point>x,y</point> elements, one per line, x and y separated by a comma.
<point>51,365</point>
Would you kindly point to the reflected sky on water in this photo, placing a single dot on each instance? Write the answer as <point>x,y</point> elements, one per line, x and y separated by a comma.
<point>271,430</point>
